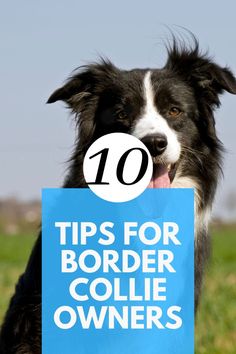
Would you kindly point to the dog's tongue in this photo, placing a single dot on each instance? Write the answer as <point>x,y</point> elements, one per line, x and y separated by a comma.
<point>160,178</point>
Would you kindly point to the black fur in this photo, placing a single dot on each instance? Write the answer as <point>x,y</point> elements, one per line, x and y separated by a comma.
<point>106,99</point>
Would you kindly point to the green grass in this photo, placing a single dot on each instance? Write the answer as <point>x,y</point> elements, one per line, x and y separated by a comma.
<point>14,252</point>
<point>216,322</point>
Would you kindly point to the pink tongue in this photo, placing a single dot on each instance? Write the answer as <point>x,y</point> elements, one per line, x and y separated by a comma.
<point>160,178</point>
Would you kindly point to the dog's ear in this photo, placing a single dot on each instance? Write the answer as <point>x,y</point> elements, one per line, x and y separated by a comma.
<point>82,92</point>
<point>77,87</point>
<point>208,78</point>
<point>83,84</point>
<point>65,92</point>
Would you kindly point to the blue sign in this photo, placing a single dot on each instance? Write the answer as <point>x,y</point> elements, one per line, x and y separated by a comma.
<point>118,277</point>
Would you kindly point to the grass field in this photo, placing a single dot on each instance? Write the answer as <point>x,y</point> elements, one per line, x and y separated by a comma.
<point>216,323</point>
<point>14,252</point>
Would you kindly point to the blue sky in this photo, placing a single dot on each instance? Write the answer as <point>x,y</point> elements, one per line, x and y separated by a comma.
<point>42,42</point>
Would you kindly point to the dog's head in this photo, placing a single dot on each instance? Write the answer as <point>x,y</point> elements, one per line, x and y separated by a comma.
<point>169,109</point>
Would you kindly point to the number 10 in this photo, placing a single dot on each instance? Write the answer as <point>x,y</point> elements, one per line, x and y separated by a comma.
<point>120,166</point>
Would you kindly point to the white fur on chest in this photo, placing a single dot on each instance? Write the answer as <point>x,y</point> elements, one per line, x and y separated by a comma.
<point>201,216</point>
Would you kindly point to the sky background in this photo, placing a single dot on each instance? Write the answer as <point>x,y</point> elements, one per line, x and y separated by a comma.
<point>42,42</point>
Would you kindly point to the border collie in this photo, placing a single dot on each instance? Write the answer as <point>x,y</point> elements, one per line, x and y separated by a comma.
<point>171,111</point>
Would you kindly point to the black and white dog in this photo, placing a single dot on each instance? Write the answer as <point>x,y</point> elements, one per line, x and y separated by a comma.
<point>171,111</point>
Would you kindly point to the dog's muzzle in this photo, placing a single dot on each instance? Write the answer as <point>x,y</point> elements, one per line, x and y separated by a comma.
<point>156,144</point>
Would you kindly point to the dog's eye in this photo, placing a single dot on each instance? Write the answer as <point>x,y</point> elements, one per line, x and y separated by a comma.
<point>174,112</point>
<point>122,115</point>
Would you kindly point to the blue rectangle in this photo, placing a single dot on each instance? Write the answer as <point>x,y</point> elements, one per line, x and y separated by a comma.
<point>134,316</point>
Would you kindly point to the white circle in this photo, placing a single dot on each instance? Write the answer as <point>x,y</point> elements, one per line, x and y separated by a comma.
<point>117,144</point>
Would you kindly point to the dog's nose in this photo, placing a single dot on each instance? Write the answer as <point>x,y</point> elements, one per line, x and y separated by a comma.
<point>156,144</point>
